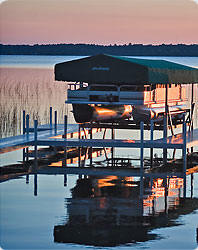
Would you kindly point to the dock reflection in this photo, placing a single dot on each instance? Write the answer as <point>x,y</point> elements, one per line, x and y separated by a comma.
<point>111,210</point>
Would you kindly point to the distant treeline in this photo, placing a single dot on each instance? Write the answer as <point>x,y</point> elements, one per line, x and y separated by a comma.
<point>92,49</point>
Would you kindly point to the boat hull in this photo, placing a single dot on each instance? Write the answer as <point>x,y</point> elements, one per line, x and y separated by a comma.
<point>87,113</point>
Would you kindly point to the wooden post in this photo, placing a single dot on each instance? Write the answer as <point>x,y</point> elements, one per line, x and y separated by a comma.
<point>184,157</point>
<point>51,117</point>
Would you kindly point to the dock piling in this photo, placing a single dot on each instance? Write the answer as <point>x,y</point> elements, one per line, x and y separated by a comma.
<point>191,185</point>
<point>184,156</point>
<point>165,140</point>
<point>27,124</point>
<point>27,133</point>
<point>65,136</point>
<point>65,180</point>
<point>91,150</point>
<point>79,148</point>
<point>35,142</point>
<point>55,122</point>
<point>112,149</point>
<point>27,179</point>
<point>24,133</point>
<point>51,117</point>
<point>23,122</point>
<point>142,148</point>
<point>141,165</point>
<point>152,137</point>
<point>35,185</point>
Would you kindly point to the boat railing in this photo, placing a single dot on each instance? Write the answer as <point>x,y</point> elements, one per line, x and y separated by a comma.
<point>77,85</point>
<point>96,93</point>
<point>125,94</point>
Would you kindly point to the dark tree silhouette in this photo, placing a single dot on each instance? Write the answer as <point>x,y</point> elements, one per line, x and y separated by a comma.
<point>93,49</point>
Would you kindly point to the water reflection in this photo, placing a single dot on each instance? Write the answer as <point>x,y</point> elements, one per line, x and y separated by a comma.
<point>111,210</point>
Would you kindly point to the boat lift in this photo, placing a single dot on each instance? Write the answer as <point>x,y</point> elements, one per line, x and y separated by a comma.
<point>105,70</point>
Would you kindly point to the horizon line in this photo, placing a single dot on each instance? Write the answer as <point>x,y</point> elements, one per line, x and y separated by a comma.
<point>128,44</point>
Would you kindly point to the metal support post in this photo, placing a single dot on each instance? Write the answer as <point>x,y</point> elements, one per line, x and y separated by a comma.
<point>165,125</point>
<point>27,124</point>
<point>91,149</point>
<point>35,185</point>
<point>141,166</point>
<point>184,158</point>
<point>23,122</point>
<point>141,194</point>
<point>65,180</point>
<point>104,134</point>
<point>152,135</point>
<point>65,136</point>
<point>192,185</point>
<point>112,149</point>
<point>165,141</point>
<point>55,122</point>
<point>165,196</point>
<point>192,110</point>
<point>24,130</point>
<point>35,143</point>
<point>27,179</point>
<point>51,117</point>
<point>79,148</point>
<point>27,133</point>
<point>142,149</point>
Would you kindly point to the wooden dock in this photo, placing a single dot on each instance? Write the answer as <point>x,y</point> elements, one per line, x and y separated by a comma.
<point>51,137</point>
<point>28,139</point>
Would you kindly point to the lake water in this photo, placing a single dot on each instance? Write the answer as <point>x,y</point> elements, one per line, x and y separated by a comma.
<point>79,211</point>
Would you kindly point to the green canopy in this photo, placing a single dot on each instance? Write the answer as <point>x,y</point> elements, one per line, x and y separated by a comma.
<point>107,69</point>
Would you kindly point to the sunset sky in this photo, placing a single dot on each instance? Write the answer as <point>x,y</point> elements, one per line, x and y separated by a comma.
<point>98,21</point>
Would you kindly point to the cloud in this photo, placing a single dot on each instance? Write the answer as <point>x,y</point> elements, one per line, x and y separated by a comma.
<point>196,1</point>
<point>1,1</point>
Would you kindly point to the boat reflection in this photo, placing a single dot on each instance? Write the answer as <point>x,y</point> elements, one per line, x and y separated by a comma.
<point>111,210</point>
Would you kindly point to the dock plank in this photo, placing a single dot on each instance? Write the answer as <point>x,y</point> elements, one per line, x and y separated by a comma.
<point>10,143</point>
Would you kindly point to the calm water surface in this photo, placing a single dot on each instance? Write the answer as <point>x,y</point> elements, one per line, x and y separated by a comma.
<point>74,211</point>
<point>98,211</point>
